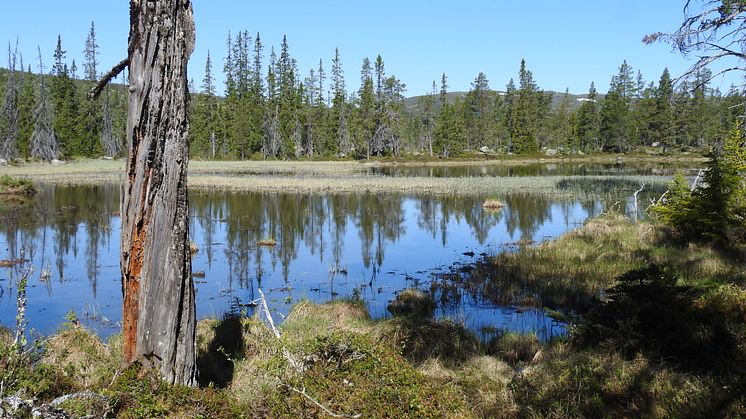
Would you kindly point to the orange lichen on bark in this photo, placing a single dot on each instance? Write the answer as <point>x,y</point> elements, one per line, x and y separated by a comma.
<point>131,310</point>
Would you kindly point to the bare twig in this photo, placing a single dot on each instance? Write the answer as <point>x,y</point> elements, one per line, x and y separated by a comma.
<point>696,179</point>
<point>326,410</point>
<point>642,186</point>
<point>81,395</point>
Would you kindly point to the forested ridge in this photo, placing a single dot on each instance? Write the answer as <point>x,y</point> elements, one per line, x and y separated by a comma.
<point>268,108</point>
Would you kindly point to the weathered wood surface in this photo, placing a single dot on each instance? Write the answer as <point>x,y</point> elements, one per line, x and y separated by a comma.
<point>159,308</point>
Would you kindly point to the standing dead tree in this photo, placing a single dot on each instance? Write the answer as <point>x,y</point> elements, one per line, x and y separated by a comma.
<point>43,143</point>
<point>716,31</point>
<point>9,112</point>
<point>110,141</point>
<point>159,314</point>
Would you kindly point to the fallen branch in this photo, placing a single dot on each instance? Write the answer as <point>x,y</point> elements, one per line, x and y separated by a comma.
<point>268,314</point>
<point>81,395</point>
<point>326,410</point>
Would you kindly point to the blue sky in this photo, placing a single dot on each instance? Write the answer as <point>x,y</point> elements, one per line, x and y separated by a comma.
<point>566,44</point>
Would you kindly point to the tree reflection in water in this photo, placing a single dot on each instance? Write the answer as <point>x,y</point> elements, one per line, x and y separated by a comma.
<point>327,246</point>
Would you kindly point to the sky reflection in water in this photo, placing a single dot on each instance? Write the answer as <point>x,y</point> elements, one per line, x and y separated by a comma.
<point>328,247</point>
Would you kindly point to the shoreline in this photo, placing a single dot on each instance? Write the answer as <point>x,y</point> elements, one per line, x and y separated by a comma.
<point>329,176</point>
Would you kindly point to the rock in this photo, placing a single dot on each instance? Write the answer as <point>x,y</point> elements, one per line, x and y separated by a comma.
<point>56,162</point>
<point>3,162</point>
<point>655,144</point>
<point>551,152</point>
<point>486,150</point>
<point>580,153</point>
<point>107,158</point>
<point>492,205</point>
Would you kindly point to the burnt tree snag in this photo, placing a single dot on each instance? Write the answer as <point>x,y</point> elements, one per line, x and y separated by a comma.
<point>159,308</point>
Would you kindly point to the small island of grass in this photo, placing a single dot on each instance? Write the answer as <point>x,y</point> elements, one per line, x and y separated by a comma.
<point>16,186</point>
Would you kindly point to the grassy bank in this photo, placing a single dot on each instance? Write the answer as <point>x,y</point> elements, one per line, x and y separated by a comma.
<point>16,186</point>
<point>328,177</point>
<point>333,359</point>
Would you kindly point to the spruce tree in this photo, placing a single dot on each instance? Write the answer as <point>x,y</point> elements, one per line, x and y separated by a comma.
<point>367,103</point>
<point>91,126</point>
<point>480,114</point>
<point>339,104</point>
<point>528,113</point>
<point>43,143</point>
<point>662,124</point>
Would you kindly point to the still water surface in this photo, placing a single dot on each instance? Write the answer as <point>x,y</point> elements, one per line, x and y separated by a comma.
<point>365,246</point>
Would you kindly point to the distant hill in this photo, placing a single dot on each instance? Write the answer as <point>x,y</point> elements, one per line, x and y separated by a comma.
<point>412,103</point>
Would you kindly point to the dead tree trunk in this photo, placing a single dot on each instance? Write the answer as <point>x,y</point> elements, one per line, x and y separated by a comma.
<point>159,308</point>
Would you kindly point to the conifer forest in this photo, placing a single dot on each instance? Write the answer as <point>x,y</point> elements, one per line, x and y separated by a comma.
<point>268,108</point>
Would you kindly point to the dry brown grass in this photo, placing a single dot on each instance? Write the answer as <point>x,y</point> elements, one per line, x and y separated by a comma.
<point>303,176</point>
<point>83,356</point>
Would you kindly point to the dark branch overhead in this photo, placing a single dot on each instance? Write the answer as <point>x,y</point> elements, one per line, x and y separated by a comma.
<point>99,87</point>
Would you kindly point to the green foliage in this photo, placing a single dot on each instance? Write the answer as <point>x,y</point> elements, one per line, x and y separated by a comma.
<point>677,210</point>
<point>646,311</point>
<point>715,210</point>
<point>16,186</point>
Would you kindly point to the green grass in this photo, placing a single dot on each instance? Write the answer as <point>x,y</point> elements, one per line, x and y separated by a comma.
<point>16,186</point>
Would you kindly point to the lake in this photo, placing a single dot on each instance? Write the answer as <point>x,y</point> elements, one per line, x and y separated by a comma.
<point>365,246</point>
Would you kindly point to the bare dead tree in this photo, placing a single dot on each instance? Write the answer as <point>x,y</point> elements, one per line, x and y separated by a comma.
<point>159,313</point>
<point>298,138</point>
<point>159,317</point>
<point>111,142</point>
<point>272,139</point>
<point>9,115</point>
<point>43,143</point>
<point>713,32</point>
<point>345,146</point>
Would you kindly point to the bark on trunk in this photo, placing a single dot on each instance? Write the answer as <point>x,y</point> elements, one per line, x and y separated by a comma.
<point>159,308</point>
